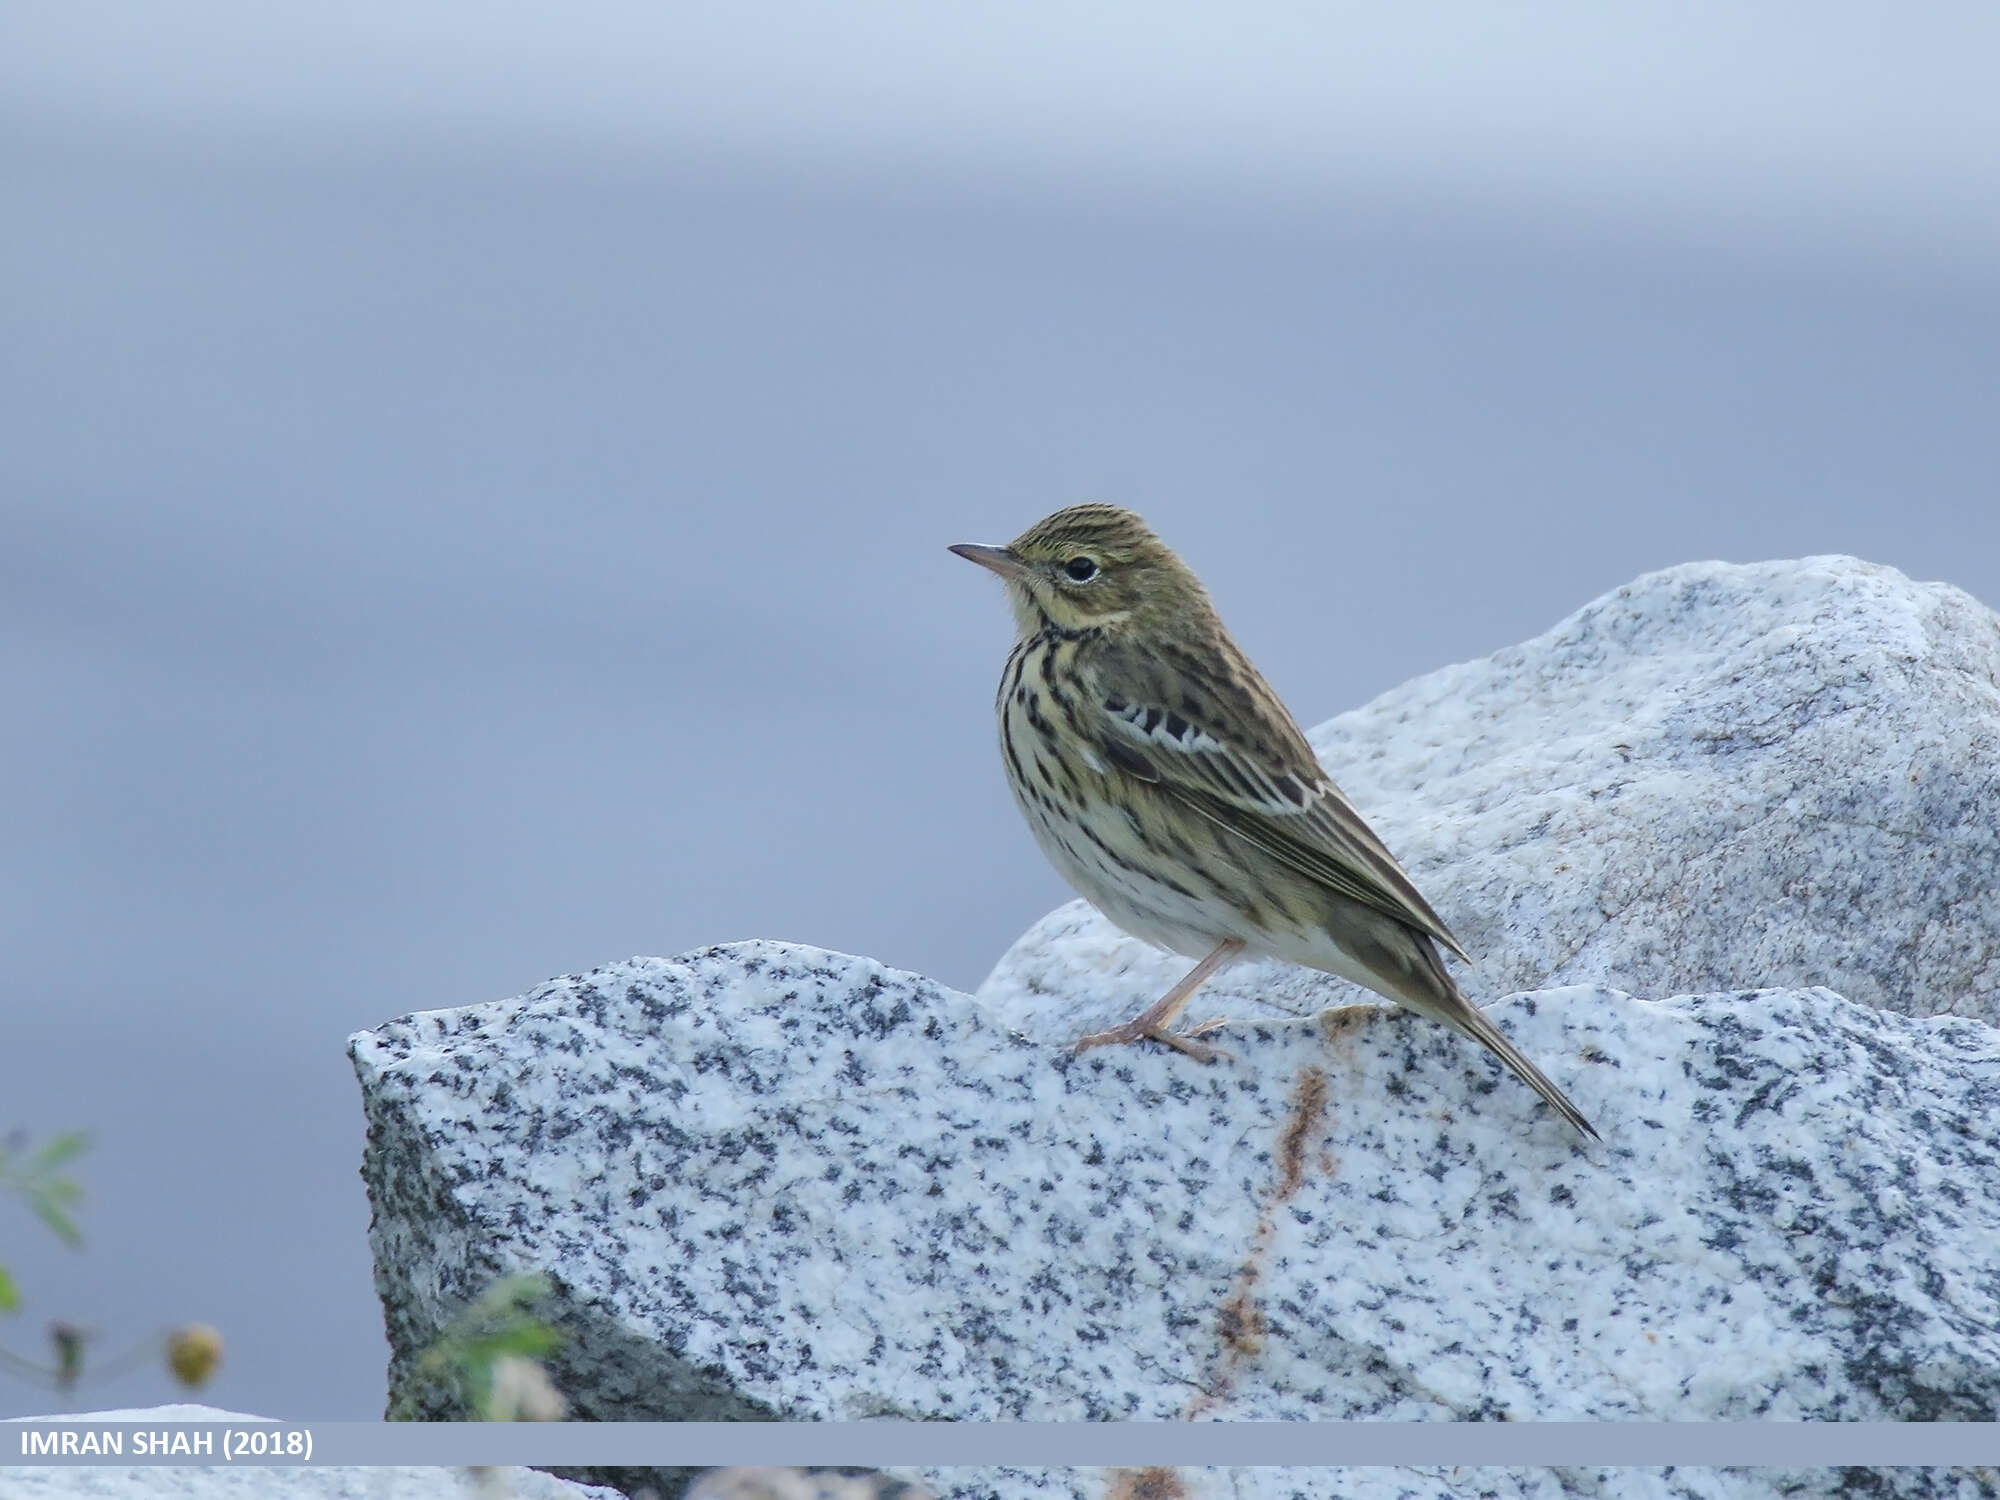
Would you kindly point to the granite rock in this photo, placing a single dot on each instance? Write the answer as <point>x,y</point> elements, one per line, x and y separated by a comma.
<point>332,1482</point>
<point>775,1182</point>
<point>1784,774</point>
<point>810,1484</point>
<point>1464,1483</point>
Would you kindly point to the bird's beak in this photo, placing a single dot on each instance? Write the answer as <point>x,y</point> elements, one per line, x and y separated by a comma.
<point>999,559</point>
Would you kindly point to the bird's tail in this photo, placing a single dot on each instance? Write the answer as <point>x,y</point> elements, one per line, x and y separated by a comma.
<point>1425,987</point>
<point>1470,1020</point>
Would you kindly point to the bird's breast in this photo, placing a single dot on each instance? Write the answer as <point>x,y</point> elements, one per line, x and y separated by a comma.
<point>1100,827</point>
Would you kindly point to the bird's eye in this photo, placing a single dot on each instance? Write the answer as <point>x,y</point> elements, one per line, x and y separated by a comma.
<point>1082,569</point>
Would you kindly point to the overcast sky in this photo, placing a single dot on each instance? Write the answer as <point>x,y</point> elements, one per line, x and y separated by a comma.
<point>1827,117</point>
<point>476,480</point>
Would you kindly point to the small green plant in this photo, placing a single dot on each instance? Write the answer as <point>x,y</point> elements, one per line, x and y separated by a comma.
<point>39,1177</point>
<point>490,1357</point>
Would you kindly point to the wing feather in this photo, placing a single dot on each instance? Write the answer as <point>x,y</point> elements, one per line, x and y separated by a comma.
<point>1260,782</point>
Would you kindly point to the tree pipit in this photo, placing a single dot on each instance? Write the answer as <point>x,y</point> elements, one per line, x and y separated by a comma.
<point>1166,782</point>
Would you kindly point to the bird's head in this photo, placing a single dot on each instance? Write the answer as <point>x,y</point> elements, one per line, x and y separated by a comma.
<point>1091,567</point>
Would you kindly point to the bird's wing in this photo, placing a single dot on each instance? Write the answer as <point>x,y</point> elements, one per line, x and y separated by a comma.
<point>1227,749</point>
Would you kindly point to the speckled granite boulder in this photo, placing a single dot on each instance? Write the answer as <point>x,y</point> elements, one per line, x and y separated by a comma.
<point>1781,774</point>
<point>806,1484</point>
<point>776,1181</point>
<point>332,1482</point>
<point>1464,1483</point>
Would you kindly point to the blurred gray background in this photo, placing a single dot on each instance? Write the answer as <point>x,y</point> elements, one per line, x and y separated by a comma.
<point>475,480</point>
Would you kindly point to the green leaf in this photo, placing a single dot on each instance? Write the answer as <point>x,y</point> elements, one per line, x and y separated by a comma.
<point>10,1295</point>
<point>61,1191</point>
<point>65,1147</point>
<point>35,1175</point>
<point>49,1208</point>
<point>531,1340</point>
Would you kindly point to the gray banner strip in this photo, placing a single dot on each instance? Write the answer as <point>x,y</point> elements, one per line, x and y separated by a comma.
<point>1108,1444</point>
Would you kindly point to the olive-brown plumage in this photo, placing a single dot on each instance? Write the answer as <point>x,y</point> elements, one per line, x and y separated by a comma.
<point>1167,783</point>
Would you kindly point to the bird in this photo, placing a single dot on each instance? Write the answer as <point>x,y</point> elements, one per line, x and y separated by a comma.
<point>1169,785</point>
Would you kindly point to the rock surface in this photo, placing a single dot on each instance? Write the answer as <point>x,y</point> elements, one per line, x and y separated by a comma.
<point>778,1182</point>
<point>172,1411</point>
<point>1464,1483</point>
<point>1782,774</point>
<point>811,1484</point>
<point>334,1482</point>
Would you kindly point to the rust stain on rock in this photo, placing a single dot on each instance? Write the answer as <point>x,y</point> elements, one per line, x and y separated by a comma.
<point>1146,1484</point>
<point>1308,1111</point>
<point>1241,1328</point>
<point>1242,1325</point>
<point>1341,1022</point>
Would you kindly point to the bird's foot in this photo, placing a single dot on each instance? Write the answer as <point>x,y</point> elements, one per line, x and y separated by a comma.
<point>1138,1031</point>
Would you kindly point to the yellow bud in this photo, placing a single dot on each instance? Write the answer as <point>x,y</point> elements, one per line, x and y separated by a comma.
<point>193,1352</point>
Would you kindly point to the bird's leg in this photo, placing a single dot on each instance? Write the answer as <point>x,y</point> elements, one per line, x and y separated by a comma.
<point>1156,1018</point>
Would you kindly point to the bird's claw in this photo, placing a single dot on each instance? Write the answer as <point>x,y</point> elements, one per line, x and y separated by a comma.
<point>1119,1036</point>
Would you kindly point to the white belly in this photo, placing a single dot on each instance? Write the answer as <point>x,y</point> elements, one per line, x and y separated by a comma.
<point>1186,916</point>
